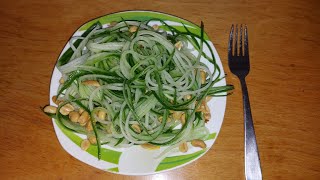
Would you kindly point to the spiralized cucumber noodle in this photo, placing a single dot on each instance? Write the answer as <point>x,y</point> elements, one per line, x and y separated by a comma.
<point>145,75</point>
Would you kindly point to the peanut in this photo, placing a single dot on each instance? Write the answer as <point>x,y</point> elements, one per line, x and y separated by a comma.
<point>208,98</point>
<point>50,109</point>
<point>85,144</point>
<point>161,118</point>
<point>109,129</point>
<point>198,143</point>
<point>178,45</point>
<point>155,27</point>
<point>101,115</point>
<point>176,115</point>
<point>150,146</point>
<point>61,81</point>
<point>187,97</point>
<point>84,118</point>
<point>201,108</point>
<point>133,29</point>
<point>207,116</point>
<point>55,100</point>
<point>92,139</point>
<point>89,127</point>
<point>169,119</point>
<point>66,109</point>
<point>74,116</point>
<point>203,77</point>
<point>113,23</point>
<point>183,147</point>
<point>81,111</point>
<point>91,83</point>
<point>83,124</point>
<point>136,128</point>
<point>206,107</point>
<point>183,118</point>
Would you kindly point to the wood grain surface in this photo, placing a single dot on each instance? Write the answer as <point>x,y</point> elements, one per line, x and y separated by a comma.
<point>283,84</point>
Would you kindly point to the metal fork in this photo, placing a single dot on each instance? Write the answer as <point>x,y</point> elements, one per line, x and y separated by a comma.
<point>238,59</point>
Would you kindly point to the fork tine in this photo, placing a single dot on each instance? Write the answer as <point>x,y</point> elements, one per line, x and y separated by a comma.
<point>236,42</point>
<point>246,43</point>
<point>240,48</point>
<point>230,49</point>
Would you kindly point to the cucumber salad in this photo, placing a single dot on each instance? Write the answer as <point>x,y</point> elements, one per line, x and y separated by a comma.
<point>133,83</point>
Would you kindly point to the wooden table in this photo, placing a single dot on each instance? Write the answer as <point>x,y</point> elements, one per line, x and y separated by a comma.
<point>283,84</point>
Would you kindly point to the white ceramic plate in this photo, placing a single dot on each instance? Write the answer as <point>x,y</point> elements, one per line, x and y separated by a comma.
<point>136,160</point>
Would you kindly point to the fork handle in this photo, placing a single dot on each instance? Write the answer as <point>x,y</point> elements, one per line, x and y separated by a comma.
<point>252,160</point>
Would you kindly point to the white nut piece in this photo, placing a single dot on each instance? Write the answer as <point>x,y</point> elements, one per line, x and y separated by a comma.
<point>183,147</point>
<point>91,83</point>
<point>85,144</point>
<point>136,128</point>
<point>50,109</point>
<point>74,116</point>
<point>133,29</point>
<point>178,45</point>
<point>198,143</point>
<point>150,146</point>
